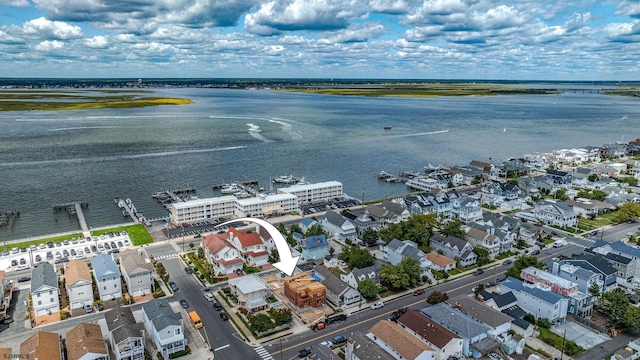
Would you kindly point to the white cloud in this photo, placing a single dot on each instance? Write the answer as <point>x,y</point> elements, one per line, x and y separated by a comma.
<point>49,45</point>
<point>629,8</point>
<point>16,3</point>
<point>360,33</point>
<point>61,30</point>
<point>389,6</point>
<point>97,42</point>
<point>577,21</point>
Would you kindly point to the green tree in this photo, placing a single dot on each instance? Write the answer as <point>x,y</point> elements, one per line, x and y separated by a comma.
<point>394,277</point>
<point>478,289</point>
<point>633,318</point>
<point>356,257</point>
<point>615,304</point>
<point>628,211</point>
<point>368,289</point>
<point>417,229</point>
<point>295,228</point>
<point>544,322</point>
<point>369,236</point>
<point>437,297</point>
<point>521,263</point>
<point>561,194</point>
<point>453,228</point>
<point>261,322</point>
<point>594,290</point>
<point>331,250</point>
<point>282,229</point>
<point>411,267</point>
<point>593,177</point>
<point>281,316</point>
<point>483,255</point>
<point>316,230</point>
<point>598,195</point>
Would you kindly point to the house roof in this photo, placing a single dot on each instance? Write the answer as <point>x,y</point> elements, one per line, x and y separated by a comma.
<point>620,247</point>
<point>618,258</point>
<point>408,346</point>
<point>518,285</point>
<point>41,345</point>
<point>505,299</point>
<point>161,314</point>
<point>331,282</point>
<point>378,211</point>
<point>592,262</point>
<point>480,234</point>
<point>131,261</point>
<point>365,349</point>
<point>246,239</point>
<point>393,207</point>
<point>104,267</point>
<point>480,311</point>
<point>334,218</point>
<point>215,243</point>
<point>369,272</point>
<point>428,329</point>
<point>456,321</point>
<point>515,311</point>
<point>412,252</point>
<point>249,283</point>
<point>43,274</point>
<point>439,259</point>
<point>85,339</point>
<point>313,242</point>
<point>521,323</point>
<point>121,323</point>
<point>557,172</point>
<point>395,244</point>
<point>452,241</point>
<point>77,270</point>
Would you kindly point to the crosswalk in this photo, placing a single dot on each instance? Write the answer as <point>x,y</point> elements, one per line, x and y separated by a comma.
<point>161,257</point>
<point>264,354</point>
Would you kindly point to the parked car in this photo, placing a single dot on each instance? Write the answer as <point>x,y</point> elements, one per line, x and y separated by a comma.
<point>38,258</point>
<point>339,339</point>
<point>507,262</point>
<point>184,303</point>
<point>501,278</point>
<point>418,292</point>
<point>208,296</point>
<point>65,253</point>
<point>174,287</point>
<point>223,316</point>
<point>535,252</point>
<point>217,306</point>
<point>22,267</point>
<point>377,305</point>
<point>88,308</point>
<point>489,284</point>
<point>494,356</point>
<point>478,272</point>
<point>24,279</point>
<point>304,352</point>
<point>73,252</point>
<point>188,270</point>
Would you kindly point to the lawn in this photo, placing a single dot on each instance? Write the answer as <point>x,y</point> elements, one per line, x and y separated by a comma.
<point>557,342</point>
<point>588,224</point>
<point>40,241</point>
<point>137,233</point>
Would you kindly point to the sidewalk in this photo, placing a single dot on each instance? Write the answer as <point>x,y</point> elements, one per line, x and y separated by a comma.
<point>541,345</point>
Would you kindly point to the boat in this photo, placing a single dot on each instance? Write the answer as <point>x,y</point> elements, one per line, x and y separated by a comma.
<point>241,194</point>
<point>124,213</point>
<point>625,117</point>
<point>388,127</point>
<point>285,179</point>
<point>230,189</point>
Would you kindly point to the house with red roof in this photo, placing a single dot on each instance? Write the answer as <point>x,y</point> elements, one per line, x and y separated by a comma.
<point>250,246</point>
<point>221,254</point>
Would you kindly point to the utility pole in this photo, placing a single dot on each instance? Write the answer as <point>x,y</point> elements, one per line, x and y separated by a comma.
<point>281,349</point>
<point>562,349</point>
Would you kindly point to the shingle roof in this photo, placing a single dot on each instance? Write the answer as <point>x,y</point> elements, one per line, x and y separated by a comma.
<point>43,274</point>
<point>331,282</point>
<point>517,285</point>
<point>335,218</point>
<point>408,346</point>
<point>307,221</point>
<point>104,267</point>
<point>246,239</point>
<point>618,258</point>
<point>393,207</point>
<point>358,274</point>
<point>480,311</point>
<point>456,321</point>
<point>214,243</point>
<point>365,349</point>
<point>395,244</point>
<point>505,299</point>
<point>428,329</point>
<point>76,270</point>
<point>83,339</point>
<point>592,262</point>
<point>41,345</point>
<point>312,242</point>
<point>451,240</point>
<point>131,261</point>
<point>160,313</point>
<point>521,323</point>
<point>620,247</point>
<point>439,259</point>
<point>515,311</point>
<point>122,324</point>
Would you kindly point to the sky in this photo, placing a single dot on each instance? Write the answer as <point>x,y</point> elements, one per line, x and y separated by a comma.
<point>393,39</point>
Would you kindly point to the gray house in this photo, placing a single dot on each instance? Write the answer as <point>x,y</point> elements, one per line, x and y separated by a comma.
<point>357,275</point>
<point>44,290</point>
<point>339,226</point>
<point>125,334</point>
<point>137,273</point>
<point>107,276</point>
<point>165,326</point>
<point>453,247</point>
<point>337,290</point>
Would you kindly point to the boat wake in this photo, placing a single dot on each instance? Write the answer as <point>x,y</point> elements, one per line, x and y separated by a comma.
<point>254,131</point>
<point>425,133</point>
<point>118,157</point>
<point>286,127</point>
<point>84,128</point>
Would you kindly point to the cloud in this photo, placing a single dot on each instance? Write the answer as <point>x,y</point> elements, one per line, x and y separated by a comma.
<point>291,15</point>
<point>48,45</point>
<point>356,33</point>
<point>16,3</point>
<point>97,42</point>
<point>629,8</point>
<point>389,6</point>
<point>60,30</point>
<point>577,21</point>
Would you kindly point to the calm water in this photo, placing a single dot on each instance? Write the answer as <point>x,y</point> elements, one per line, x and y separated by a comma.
<point>48,158</point>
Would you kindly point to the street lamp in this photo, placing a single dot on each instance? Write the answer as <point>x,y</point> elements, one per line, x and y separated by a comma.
<point>182,238</point>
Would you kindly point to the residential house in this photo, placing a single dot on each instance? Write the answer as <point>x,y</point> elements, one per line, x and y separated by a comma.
<point>337,291</point>
<point>360,347</point>
<point>314,247</point>
<point>498,302</point>
<point>396,208</point>
<point>519,325</point>
<point>85,342</point>
<point>79,284</point>
<point>357,275</point>
<point>584,209</point>
<point>395,341</point>
<point>470,330</point>
<point>555,213</point>
<point>520,166</point>
<point>44,290</point>
<point>499,322</point>
<point>583,277</point>
<point>506,191</point>
<point>536,301</point>
<point>581,176</point>
<point>488,170</point>
<point>251,291</point>
<point>482,239</point>
<point>362,221</point>
<point>107,276</point>
<point>397,250</point>
<point>137,273</point>
<point>453,247</point>
<point>307,223</point>
<point>599,265</point>
<point>442,340</point>
<point>42,345</point>
<point>580,304</point>
<point>532,233</point>
<point>440,262</point>
<point>126,336</point>
<point>626,266</point>
<point>222,255</point>
<point>466,209</point>
<point>620,248</point>
<point>560,178</point>
<point>304,292</point>
<point>338,225</point>
<point>165,327</point>
<point>250,246</point>
<point>6,291</point>
<point>387,215</point>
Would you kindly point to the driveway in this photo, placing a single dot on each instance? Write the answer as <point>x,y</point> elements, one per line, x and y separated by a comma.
<point>582,336</point>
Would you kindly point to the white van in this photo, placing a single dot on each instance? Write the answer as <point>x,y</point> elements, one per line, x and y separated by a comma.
<point>558,243</point>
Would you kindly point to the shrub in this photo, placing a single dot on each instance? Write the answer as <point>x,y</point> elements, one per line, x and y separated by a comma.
<point>544,322</point>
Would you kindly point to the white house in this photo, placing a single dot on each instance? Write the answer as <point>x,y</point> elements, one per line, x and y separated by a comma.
<point>442,340</point>
<point>537,301</point>
<point>357,275</point>
<point>126,336</point>
<point>44,290</point>
<point>252,292</point>
<point>555,213</point>
<point>165,326</point>
<point>224,257</point>
<point>107,276</point>
<point>250,246</point>
<point>395,340</point>
<point>78,283</point>
<point>339,226</point>
<point>466,208</point>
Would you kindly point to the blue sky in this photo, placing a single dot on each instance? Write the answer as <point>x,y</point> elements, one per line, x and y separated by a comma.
<point>432,39</point>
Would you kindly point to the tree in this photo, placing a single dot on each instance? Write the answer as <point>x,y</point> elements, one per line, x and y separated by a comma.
<point>594,290</point>
<point>331,250</point>
<point>417,229</point>
<point>544,322</point>
<point>633,317</point>
<point>628,211</point>
<point>281,316</point>
<point>295,228</point>
<point>437,297</point>
<point>483,256</point>
<point>561,194</point>
<point>453,228</point>
<point>261,322</point>
<point>593,177</point>
<point>316,230</point>
<point>615,304</point>
<point>368,289</point>
<point>521,263</point>
<point>478,289</point>
<point>356,257</point>
<point>282,229</point>
<point>369,236</point>
<point>412,268</point>
<point>394,277</point>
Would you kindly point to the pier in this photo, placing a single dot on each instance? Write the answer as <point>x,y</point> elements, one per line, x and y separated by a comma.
<point>8,217</point>
<point>245,183</point>
<point>168,197</point>
<point>129,210</point>
<point>73,209</point>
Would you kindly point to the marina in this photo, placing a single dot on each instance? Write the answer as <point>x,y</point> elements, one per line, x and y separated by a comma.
<point>129,210</point>
<point>167,197</point>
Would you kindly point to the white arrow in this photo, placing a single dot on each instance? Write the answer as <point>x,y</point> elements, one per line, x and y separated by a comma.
<point>287,262</point>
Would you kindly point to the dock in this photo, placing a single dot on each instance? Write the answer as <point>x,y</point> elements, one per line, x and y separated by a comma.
<point>244,183</point>
<point>8,217</point>
<point>168,197</point>
<point>73,209</point>
<point>129,210</point>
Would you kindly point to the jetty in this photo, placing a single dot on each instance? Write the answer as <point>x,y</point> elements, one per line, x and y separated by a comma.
<point>73,209</point>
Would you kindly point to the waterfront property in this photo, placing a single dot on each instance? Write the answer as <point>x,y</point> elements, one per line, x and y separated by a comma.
<point>44,290</point>
<point>165,326</point>
<point>85,342</point>
<point>79,284</point>
<point>107,276</point>
<point>137,273</point>
<point>307,193</point>
<point>126,336</point>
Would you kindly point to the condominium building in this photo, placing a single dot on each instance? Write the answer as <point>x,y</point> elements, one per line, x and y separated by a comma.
<point>312,192</point>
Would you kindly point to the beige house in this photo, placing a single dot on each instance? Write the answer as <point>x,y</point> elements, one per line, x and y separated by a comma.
<point>137,273</point>
<point>85,342</point>
<point>41,345</point>
<point>440,262</point>
<point>78,284</point>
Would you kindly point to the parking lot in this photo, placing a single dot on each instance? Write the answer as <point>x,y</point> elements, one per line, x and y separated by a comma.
<point>326,205</point>
<point>197,228</point>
